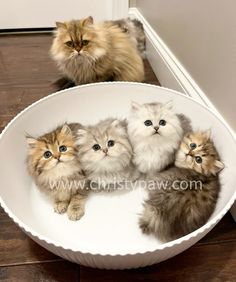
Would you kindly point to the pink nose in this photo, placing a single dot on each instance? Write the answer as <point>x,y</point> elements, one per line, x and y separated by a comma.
<point>105,150</point>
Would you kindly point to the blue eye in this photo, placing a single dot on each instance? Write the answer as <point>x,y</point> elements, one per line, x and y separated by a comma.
<point>96,147</point>
<point>148,122</point>
<point>47,154</point>
<point>62,148</point>
<point>162,122</point>
<point>193,146</point>
<point>198,159</point>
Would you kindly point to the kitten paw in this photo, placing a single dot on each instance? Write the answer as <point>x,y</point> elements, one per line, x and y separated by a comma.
<point>144,226</point>
<point>60,207</point>
<point>75,213</point>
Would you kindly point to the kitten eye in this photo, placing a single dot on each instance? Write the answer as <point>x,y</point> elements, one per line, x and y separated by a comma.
<point>85,42</point>
<point>162,122</point>
<point>198,159</point>
<point>96,147</point>
<point>148,122</point>
<point>111,143</point>
<point>193,146</point>
<point>69,43</point>
<point>62,148</point>
<point>47,154</point>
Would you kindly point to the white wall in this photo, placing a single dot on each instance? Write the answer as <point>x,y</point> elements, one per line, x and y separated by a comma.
<point>202,35</point>
<point>44,13</point>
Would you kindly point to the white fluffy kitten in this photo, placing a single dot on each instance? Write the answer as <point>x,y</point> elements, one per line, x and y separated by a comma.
<point>106,153</point>
<point>155,133</point>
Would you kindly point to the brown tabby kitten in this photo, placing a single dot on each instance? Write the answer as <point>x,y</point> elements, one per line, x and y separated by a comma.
<point>92,52</point>
<point>178,205</point>
<point>134,28</point>
<point>54,165</point>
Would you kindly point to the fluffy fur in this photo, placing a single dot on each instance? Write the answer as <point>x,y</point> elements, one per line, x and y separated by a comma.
<point>92,52</point>
<point>154,145</point>
<point>134,28</point>
<point>54,165</point>
<point>174,211</point>
<point>108,166</point>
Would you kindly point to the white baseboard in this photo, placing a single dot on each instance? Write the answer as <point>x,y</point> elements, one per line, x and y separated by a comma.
<point>170,71</point>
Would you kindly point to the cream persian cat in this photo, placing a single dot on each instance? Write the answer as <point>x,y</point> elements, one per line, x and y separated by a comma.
<point>105,154</point>
<point>55,167</point>
<point>92,52</point>
<point>155,133</point>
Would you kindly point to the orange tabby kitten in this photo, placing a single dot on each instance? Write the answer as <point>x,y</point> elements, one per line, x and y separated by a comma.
<point>54,165</point>
<point>92,52</point>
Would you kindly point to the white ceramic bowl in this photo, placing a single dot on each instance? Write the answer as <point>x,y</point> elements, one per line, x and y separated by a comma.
<point>108,235</point>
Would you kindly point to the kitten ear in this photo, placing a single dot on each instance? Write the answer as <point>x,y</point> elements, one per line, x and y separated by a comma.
<point>218,165</point>
<point>31,141</point>
<point>81,133</point>
<point>208,134</point>
<point>168,105</point>
<point>115,123</point>
<point>65,129</point>
<point>60,25</point>
<point>87,21</point>
<point>135,106</point>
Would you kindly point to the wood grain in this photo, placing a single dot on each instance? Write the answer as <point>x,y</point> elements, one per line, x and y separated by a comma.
<point>214,262</point>
<point>42,272</point>
<point>27,74</point>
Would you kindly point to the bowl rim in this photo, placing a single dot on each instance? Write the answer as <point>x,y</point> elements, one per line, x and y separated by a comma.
<point>39,237</point>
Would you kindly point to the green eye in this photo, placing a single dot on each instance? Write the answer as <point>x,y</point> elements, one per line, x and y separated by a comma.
<point>69,43</point>
<point>85,42</point>
<point>62,148</point>
<point>96,147</point>
<point>47,154</point>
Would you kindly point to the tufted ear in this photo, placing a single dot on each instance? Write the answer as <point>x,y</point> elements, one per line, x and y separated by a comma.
<point>65,129</point>
<point>81,136</point>
<point>87,21</point>
<point>218,166</point>
<point>208,134</point>
<point>168,105</point>
<point>31,141</point>
<point>135,106</point>
<point>115,123</point>
<point>60,25</point>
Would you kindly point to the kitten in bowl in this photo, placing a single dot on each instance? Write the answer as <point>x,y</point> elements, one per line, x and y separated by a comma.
<point>155,132</point>
<point>54,165</point>
<point>89,52</point>
<point>185,195</point>
<point>106,154</point>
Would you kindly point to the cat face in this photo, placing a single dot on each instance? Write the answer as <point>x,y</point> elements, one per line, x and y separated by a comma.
<point>197,152</point>
<point>155,121</point>
<point>51,150</point>
<point>104,147</point>
<point>78,39</point>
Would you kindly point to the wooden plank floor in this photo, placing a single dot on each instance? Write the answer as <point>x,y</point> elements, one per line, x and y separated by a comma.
<point>27,74</point>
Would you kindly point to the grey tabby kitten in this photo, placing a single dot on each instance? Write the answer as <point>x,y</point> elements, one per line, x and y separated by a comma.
<point>134,28</point>
<point>105,154</point>
<point>53,163</point>
<point>189,193</point>
<point>155,132</point>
